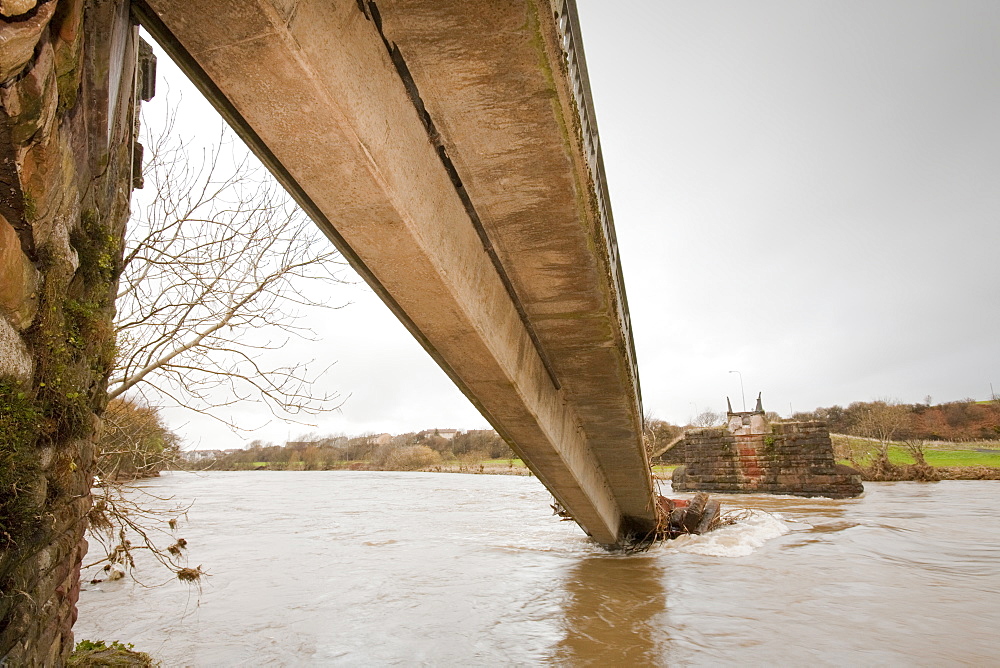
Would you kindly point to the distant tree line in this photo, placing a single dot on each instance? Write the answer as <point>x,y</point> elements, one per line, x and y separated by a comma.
<point>966,420</point>
<point>413,450</point>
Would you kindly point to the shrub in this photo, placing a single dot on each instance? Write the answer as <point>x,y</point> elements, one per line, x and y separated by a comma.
<point>411,458</point>
<point>134,442</point>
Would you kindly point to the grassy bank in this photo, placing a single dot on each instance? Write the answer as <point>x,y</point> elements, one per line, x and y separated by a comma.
<point>977,453</point>
<point>975,460</point>
<point>664,471</point>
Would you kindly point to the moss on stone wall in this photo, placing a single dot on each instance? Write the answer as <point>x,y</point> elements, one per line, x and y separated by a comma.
<point>29,206</point>
<point>60,381</point>
<point>89,305</point>
<point>20,512</point>
<point>72,336</point>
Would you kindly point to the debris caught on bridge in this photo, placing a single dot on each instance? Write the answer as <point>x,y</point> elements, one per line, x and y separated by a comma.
<point>677,517</point>
<point>696,516</point>
<point>563,514</point>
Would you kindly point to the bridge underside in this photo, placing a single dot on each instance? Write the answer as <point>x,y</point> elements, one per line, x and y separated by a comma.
<point>447,148</point>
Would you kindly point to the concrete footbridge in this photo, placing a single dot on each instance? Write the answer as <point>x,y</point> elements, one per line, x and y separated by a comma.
<point>448,148</point>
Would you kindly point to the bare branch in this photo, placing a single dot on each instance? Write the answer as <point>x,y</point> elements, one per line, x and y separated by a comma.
<point>217,255</point>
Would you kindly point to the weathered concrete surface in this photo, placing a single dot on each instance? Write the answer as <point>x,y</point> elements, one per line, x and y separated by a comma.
<point>67,122</point>
<point>448,148</point>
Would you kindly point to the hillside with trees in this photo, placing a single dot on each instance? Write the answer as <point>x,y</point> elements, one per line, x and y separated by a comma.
<point>966,420</point>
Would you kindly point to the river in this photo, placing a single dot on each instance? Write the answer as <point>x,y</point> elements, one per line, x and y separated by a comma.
<point>382,568</point>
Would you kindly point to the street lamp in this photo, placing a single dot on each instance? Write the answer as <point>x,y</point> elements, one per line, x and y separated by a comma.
<point>742,393</point>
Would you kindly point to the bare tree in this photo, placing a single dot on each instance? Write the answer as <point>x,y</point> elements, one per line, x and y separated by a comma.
<point>920,470</point>
<point>880,421</point>
<point>658,434</point>
<point>648,434</point>
<point>916,446</point>
<point>708,418</point>
<point>135,443</point>
<point>214,275</point>
<point>215,271</point>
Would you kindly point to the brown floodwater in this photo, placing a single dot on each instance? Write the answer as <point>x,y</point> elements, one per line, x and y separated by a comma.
<point>382,568</point>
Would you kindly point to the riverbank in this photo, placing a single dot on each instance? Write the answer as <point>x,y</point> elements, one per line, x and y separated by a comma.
<point>474,466</point>
<point>925,473</point>
<point>919,460</point>
<point>900,472</point>
<point>482,468</point>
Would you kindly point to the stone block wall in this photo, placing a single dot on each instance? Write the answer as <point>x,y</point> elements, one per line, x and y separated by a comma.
<point>789,458</point>
<point>67,140</point>
<point>672,456</point>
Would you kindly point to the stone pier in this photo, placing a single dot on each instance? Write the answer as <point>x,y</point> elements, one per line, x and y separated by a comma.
<point>750,455</point>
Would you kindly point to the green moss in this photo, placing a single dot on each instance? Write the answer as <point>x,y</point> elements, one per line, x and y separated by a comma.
<point>85,321</point>
<point>68,86</point>
<point>97,249</point>
<point>72,336</point>
<point>19,513</point>
<point>26,124</point>
<point>90,654</point>
<point>30,206</point>
<point>68,78</point>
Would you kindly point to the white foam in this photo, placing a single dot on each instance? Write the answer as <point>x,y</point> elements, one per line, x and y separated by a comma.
<point>736,540</point>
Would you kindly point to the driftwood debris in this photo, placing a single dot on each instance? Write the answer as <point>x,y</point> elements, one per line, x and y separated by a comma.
<point>677,517</point>
<point>698,515</point>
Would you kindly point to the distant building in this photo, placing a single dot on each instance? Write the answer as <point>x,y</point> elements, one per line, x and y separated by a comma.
<point>446,434</point>
<point>201,455</point>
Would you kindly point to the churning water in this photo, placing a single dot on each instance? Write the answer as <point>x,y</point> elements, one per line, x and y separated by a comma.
<point>373,568</point>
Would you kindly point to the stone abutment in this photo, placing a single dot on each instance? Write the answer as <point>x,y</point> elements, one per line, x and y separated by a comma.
<point>67,146</point>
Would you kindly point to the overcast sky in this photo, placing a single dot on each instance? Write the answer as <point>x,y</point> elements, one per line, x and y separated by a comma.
<point>807,192</point>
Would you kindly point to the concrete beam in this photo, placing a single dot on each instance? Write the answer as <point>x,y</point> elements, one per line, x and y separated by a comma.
<point>324,93</point>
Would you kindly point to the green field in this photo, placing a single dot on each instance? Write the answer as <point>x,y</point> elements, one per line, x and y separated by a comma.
<point>517,463</point>
<point>951,454</point>
<point>962,458</point>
